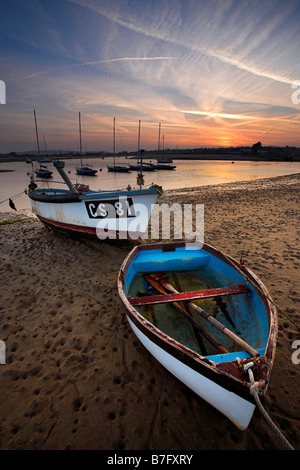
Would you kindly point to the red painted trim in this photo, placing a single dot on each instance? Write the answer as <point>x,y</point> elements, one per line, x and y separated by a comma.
<point>111,234</point>
<point>75,228</point>
<point>202,294</point>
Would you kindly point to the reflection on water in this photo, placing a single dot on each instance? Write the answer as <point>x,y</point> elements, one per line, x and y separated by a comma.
<point>189,173</point>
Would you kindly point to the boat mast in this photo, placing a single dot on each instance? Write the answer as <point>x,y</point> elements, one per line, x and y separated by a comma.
<point>36,131</point>
<point>141,157</point>
<point>80,139</point>
<point>114,141</point>
<point>158,146</point>
<point>139,135</point>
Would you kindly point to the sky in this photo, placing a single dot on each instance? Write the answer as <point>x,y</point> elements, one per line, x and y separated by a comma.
<point>212,72</point>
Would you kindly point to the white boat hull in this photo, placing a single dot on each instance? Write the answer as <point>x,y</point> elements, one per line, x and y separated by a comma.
<point>236,408</point>
<point>121,215</point>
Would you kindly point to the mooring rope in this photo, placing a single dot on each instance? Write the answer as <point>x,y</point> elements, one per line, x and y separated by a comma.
<point>254,390</point>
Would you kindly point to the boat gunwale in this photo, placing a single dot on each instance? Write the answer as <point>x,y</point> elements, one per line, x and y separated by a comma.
<point>64,196</point>
<point>226,374</point>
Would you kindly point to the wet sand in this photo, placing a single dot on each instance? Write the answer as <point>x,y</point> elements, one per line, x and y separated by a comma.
<point>76,377</point>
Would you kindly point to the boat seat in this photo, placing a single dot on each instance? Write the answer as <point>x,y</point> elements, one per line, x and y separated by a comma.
<point>181,296</point>
<point>156,260</point>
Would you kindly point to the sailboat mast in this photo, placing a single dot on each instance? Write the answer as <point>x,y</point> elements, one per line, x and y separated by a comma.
<point>158,146</point>
<point>36,131</point>
<point>139,135</point>
<point>114,141</point>
<point>80,138</point>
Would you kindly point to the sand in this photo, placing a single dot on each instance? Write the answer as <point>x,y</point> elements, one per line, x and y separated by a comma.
<point>76,377</point>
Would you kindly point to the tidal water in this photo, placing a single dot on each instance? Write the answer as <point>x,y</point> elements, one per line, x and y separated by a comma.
<point>188,174</point>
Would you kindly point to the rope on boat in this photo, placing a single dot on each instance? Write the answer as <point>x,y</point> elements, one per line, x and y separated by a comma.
<point>254,390</point>
<point>234,265</point>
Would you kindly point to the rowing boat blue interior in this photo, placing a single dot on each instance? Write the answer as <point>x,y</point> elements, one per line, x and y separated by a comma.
<point>191,265</point>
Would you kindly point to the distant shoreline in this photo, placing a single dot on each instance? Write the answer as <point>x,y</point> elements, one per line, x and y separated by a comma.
<point>201,157</point>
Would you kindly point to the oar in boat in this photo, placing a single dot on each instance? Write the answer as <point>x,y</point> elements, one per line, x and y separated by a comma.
<point>161,278</point>
<point>188,309</point>
<point>202,330</point>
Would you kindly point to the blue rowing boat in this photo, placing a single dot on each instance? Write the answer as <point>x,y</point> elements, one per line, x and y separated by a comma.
<point>204,316</point>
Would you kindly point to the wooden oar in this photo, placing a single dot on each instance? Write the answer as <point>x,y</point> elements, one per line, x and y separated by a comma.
<point>202,330</point>
<point>161,278</point>
<point>187,308</point>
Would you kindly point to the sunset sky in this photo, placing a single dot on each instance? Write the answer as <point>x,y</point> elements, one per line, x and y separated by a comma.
<point>213,72</point>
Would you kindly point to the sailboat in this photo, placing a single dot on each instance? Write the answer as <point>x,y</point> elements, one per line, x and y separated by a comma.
<point>162,162</point>
<point>139,164</point>
<point>84,170</point>
<point>42,171</point>
<point>117,168</point>
<point>163,159</point>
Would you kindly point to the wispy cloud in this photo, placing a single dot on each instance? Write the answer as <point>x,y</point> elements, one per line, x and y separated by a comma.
<point>218,115</point>
<point>287,118</point>
<point>237,60</point>
<point>201,68</point>
<point>97,62</point>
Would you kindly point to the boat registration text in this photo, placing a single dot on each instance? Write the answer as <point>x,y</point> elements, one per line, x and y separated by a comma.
<point>112,209</point>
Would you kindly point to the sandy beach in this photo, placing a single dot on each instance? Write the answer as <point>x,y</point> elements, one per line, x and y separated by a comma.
<point>76,377</point>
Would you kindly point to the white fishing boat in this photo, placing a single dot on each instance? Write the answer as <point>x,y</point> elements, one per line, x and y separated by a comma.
<point>206,318</point>
<point>111,214</point>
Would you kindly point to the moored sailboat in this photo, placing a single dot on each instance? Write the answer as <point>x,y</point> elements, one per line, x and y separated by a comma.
<point>84,170</point>
<point>42,171</point>
<point>116,168</point>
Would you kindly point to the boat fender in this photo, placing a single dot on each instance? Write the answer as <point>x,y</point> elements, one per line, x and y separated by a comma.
<point>11,204</point>
<point>140,179</point>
